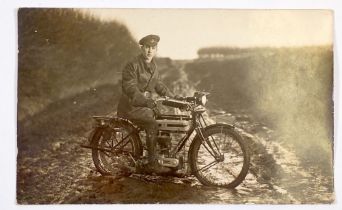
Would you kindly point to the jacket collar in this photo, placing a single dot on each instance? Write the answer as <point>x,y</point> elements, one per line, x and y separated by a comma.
<point>150,67</point>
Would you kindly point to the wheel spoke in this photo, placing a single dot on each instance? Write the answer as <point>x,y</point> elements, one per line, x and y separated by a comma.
<point>108,143</point>
<point>224,141</point>
<point>231,173</point>
<point>128,141</point>
<point>108,155</point>
<point>206,167</point>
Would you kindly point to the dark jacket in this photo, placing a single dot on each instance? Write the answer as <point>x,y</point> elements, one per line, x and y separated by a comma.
<point>138,77</point>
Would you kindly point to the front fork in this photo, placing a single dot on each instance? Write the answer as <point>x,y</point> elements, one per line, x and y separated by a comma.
<point>211,147</point>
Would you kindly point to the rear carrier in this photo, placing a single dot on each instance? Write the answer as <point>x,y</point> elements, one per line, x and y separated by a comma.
<point>174,123</point>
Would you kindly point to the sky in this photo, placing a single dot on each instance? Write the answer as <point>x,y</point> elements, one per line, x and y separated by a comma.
<point>184,31</point>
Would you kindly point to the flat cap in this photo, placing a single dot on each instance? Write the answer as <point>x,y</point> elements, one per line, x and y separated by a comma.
<point>151,40</point>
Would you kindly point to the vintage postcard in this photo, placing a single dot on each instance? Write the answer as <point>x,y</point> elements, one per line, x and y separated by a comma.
<point>175,106</point>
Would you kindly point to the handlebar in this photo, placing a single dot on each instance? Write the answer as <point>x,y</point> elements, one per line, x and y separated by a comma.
<point>180,99</point>
<point>182,104</point>
<point>185,102</point>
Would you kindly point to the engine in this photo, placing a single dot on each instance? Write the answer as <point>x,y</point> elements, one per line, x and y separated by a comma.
<point>171,127</point>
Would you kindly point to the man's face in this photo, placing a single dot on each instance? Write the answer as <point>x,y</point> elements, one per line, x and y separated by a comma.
<point>149,51</point>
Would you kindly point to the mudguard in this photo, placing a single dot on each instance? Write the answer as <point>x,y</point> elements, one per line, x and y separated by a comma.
<point>104,122</point>
<point>220,125</point>
<point>215,125</point>
<point>208,127</point>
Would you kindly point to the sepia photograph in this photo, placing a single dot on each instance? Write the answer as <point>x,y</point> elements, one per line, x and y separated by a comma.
<point>175,106</point>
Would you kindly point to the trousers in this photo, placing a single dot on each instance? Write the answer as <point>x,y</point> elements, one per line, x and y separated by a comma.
<point>144,118</point>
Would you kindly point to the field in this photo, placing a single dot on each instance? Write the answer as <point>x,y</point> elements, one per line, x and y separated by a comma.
<point>289,89</point>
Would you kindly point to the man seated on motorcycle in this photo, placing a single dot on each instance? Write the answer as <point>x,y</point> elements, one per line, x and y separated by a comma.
<point>140,78</point>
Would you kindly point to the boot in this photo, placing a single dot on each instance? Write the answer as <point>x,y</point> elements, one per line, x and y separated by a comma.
<point>157,169</point>
<point>151,138</point>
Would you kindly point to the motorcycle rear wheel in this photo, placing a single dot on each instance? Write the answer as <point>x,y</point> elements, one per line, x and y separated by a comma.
<point>111,157</point>
<point>221,160</point>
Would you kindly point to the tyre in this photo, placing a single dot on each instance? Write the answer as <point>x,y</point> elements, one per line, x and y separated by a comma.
<point>115,148</point>
<point>222,159</point>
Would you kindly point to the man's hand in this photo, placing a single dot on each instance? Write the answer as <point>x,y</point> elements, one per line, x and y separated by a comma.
<point>151,104</point>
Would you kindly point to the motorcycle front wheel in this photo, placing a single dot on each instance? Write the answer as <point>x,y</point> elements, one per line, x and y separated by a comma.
<point>115,149</point>
<point>220,159</point>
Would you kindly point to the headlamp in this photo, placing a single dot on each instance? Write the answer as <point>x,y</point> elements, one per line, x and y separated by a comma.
<point>204,100</point>
<point>201,97</point>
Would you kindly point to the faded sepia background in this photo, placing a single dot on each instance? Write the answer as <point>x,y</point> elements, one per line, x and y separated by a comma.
<point>269,72</point>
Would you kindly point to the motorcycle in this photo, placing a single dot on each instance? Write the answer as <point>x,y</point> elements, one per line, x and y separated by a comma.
<point>215,154</point>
